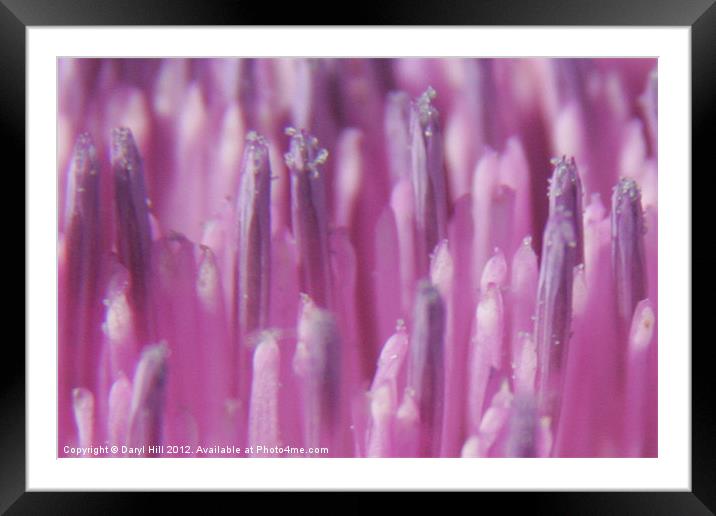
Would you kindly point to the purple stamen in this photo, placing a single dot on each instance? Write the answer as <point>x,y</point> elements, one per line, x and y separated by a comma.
<point>134,236</point>
<point>565,194</point>
<point>428,177</point>
<point>254,256</point>
<point>628,248</point>
<point>84,238</point>
<point>309,215</point>
<point>425,367</point>
<point>554,307</point>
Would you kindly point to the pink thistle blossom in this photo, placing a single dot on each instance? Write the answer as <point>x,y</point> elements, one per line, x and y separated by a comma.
<point>358,258</point>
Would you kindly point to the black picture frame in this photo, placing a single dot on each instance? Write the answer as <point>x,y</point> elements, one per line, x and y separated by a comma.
<point>700,15</point>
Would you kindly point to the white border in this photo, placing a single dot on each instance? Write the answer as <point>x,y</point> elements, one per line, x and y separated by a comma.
<point>671,471</point>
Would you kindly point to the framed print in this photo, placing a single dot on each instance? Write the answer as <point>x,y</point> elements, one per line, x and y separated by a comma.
<point>429,258</point>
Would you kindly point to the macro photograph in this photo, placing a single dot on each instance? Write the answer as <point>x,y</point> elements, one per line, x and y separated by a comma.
<point>357,257</point>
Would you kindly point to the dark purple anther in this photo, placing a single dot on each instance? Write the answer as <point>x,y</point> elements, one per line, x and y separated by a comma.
<point>428,178</point>
<point>628,248</point>
<point>254,213</point>
<point>83,186</point>
<point>565,194</point>
<point>134,237</point>
<point>554,308</point>
<point>83,250</point>
<point>309,215</point>
<point>426,366</point>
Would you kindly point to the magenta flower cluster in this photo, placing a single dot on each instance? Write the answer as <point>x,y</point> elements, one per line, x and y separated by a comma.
<point>358,257</point>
